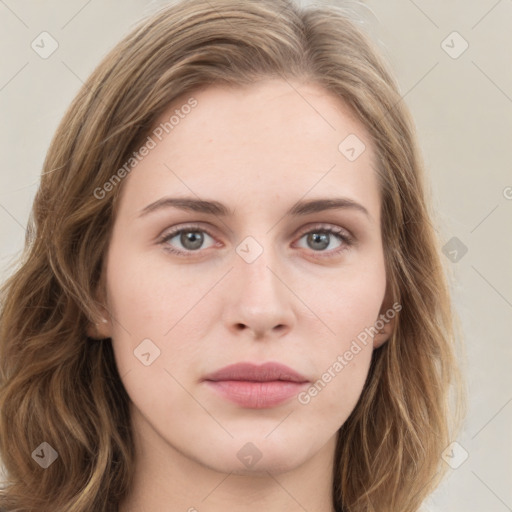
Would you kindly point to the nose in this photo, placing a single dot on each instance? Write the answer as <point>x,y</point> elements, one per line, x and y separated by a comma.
<point>259,300</point>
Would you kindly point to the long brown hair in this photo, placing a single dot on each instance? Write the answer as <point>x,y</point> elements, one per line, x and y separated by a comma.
<point>62,388</point>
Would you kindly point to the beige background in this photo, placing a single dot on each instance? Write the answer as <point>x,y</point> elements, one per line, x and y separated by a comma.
<point>462,106</point>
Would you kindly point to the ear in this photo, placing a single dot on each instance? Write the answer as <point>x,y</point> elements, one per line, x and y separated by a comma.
<point>100,328</point>
<point>386,322</point>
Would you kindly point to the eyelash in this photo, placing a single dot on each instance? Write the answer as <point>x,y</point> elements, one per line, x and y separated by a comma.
<point>347,240</point>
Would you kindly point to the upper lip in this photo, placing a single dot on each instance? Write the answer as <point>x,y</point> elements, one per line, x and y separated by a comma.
<point>257,373</point>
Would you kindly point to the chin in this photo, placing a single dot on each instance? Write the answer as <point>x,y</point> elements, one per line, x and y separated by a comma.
<point>266,465</point>
<point>257,458</point>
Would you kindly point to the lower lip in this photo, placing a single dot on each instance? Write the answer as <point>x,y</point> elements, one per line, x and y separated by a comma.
<point>257,395</point>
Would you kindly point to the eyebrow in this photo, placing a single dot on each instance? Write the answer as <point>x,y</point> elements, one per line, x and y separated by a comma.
<point>220,209</point>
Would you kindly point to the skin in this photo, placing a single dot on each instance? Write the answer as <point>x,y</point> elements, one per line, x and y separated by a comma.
<point>259,150</point>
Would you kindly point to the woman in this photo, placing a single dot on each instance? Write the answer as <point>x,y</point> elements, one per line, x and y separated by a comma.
<point>231,294</point>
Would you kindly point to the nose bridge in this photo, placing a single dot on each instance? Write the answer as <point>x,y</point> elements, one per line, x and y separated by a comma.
<point>258,299</point>
<point>255,259</point>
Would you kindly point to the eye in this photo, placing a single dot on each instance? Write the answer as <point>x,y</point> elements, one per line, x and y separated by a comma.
<point>191,239</point>
<point>321,237</point>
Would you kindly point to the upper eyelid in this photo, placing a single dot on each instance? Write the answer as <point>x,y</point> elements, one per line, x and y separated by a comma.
<point>324,225</point>
<point>300,232</point>
<point>209,230</point>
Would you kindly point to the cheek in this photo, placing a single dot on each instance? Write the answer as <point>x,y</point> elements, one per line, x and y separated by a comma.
<point>350,302</point>
<point>149,296</point>
<point>156,310</point>
<point>329,401</point>
<point>349,307</point>
<point>342,363</point>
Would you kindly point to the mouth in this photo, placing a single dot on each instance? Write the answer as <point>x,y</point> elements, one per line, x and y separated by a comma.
<point>256,387</point>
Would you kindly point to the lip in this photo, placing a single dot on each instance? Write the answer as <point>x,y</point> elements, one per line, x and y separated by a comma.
<point>256,386</point>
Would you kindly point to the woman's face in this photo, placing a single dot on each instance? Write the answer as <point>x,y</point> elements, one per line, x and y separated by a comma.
<point>255,278</point>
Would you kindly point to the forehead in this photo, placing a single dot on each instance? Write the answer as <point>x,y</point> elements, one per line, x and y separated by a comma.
<point>257,144</point>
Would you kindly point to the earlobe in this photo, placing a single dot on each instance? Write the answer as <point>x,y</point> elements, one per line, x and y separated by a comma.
<point>386,321</point>
<point>384,334</point>
<point>98,330</point>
